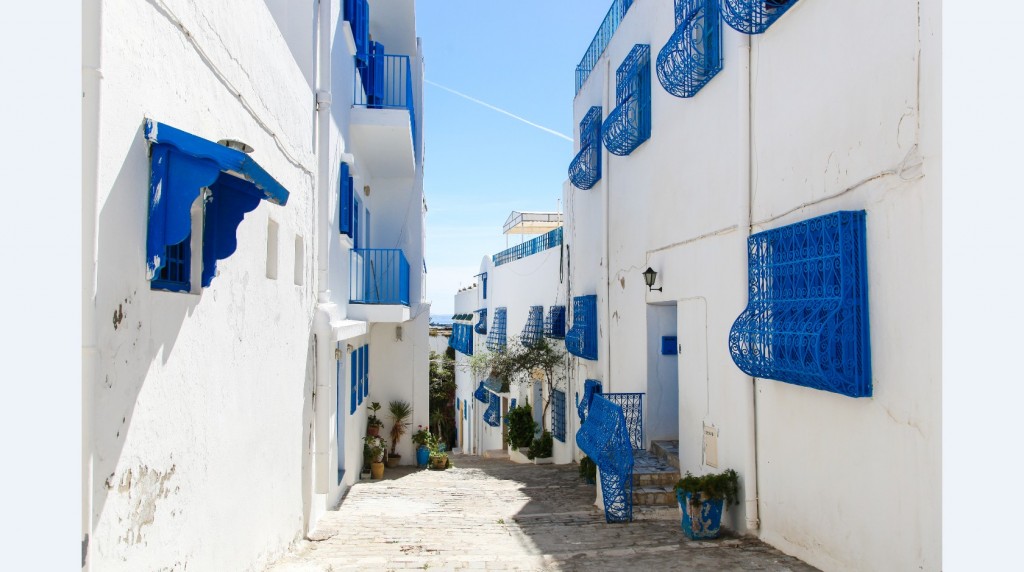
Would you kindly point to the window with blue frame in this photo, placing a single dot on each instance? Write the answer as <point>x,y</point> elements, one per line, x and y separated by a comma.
<point>585,168</point>
<point>534,329</point>
<point>554,323</point>
<point>806,320</point>
<point>753,16</point>
<point>462,338</point>
<point>581,339</point>
<point>366,370</point>
<point>359,376</point>
<point>354,384</point>
<point>558,415</point>
<point>629,124</point>
<point>693,54</point>
<point>345,198</point>
<point>181,166</point>
<point>496,336</point>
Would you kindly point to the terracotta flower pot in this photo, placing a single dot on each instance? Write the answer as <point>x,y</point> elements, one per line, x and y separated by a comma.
<point>373,430</point>
<point>376,470</point>
<point>393,461</point>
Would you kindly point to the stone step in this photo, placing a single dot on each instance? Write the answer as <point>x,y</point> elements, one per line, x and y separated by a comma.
<point>652,470</point>
<point>655,479</point>
<point>654,495</point>
<point>658,512</point>
<point>495,454</point>
<point>667,450</point>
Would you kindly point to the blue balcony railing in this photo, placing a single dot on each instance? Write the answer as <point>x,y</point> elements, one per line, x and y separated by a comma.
<point>541,243</point>
<point>604,35</point>
<point>379,276</point>
<point>384,81</point>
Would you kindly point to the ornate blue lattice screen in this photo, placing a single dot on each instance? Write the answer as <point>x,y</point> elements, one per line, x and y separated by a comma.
<point>753,16</point>
<point>534,328</point>
<point>462,338</point>
<point>558,415</point>
<point>605,439</point>
<point>693,55</point>
<point>585,168</point>
<point>581,339</point>
<point>492,415</point>
<point>629,124</point>
<point>806,321</point>
<point>590,387</point>
<point>632,405</point>
<point>496,337</point>
<point>481,326</point>
<point>481,394</point>
<point>554,323</point>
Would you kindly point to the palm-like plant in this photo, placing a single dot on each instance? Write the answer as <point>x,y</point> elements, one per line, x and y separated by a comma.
<point>400,412</point>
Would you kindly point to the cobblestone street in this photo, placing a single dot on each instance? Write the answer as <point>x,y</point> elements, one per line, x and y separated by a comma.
<point>489,514</point>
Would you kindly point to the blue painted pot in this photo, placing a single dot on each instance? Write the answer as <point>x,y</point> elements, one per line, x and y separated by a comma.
<point>422,456</point>
<point>701,518</point>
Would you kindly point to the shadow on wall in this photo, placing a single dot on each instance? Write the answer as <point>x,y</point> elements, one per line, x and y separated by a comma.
<point>135,326</point>
<point>308,440</point>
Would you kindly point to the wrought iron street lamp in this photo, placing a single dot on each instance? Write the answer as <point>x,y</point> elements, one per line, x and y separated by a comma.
<point>649,277</point>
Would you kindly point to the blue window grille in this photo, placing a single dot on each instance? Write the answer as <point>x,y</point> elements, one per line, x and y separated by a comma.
<point>558,415</point>
<point>585,168</point>
<point>345,197</point>
<point>462,338</point>
<point>581,339</point>
<point>591,387</point>
<point>632,405</point>
<point>181,164</point>
<point>492,415</point>
<point>753,16</point>
<point>378,276</point>
<point>496,336</point>
<point>175,275</point>
<point>629,124</point>
<point>669,345</point>
<point>604,35</point>
<point>534,329</point>
<point>554,323</point>
<point>541,243</point>
<point>481,393</point>
<point>481,325</point>
<point>806,321</point>
<point>693,55</point>
<point>604,438</point>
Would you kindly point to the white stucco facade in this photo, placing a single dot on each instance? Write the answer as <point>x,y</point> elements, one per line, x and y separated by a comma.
<point>216,423</point>
<point>835,107</point>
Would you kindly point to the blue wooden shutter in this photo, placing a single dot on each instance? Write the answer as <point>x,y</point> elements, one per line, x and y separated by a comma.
<point>353,381</point>
<point>345,202</point>
<point>378,79</point>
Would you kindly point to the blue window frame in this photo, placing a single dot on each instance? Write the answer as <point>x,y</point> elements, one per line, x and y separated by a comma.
<point>353,377</point>
<point>534,329</point>
<point>345,201</point>
<point>462,338</point>
<point>585,168</point>
<point>806,321</point>
<point>366,370</point>
<point>693,55</point>
<point>496,336</point>
<point>554,323</point>
<point>581,339</point>
<point>558,415</point>
<point>753,16</point>
<point>629,124</point>
<point>175,275</point>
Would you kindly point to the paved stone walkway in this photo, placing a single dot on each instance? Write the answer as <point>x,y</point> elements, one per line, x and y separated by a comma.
<point>491,514</point>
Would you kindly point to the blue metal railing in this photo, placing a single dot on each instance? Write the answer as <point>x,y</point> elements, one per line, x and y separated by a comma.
<point>629,124</point>
<point>384,81</point>
<point>632,405</point>
<point>604,35</point>
<point>585,168</point>
<point>379,276</point>
<point>541,243</point>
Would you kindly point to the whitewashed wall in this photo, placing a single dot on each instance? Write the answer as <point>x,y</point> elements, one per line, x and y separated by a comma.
<point>199,405</point>
<point>843,111</point>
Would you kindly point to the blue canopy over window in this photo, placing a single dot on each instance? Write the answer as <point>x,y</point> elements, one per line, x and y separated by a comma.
<point>181,165</point>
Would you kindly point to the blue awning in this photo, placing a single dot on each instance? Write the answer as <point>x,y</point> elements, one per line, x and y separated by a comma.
<point>182,164</point>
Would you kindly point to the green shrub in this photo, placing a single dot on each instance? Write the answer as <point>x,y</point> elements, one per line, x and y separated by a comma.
<point>724,485</point>
<point>542,447</point>
<point>588,469</point>
<point>521,426</point>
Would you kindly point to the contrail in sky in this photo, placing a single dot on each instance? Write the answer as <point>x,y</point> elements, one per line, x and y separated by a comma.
<point>499,110</point>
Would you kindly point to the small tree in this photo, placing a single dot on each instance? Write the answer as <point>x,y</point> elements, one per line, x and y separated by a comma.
<point>540,360</point>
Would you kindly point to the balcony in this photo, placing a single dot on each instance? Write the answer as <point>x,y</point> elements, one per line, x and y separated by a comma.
<point>379,285</point>
<point>530,247</point>
<point>604,34</point>
<point>585,168</point>
<point>383,123</point>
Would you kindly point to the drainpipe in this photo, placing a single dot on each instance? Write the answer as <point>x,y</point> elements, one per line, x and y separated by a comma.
<point>745,186</point>
<point>92,76</point>
<point>324,336</point>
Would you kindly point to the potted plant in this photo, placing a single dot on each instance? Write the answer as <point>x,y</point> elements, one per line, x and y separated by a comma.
<point>376,448</point>
<point>703,499</point>
<point>400,412</point>
<point>373,424</point>
<point>423,439</point>
<point>521,429</point>
<point>438,456</point>
<point>588,470</point>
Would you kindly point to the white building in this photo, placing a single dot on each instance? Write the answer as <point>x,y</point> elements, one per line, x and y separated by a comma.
<point>520,292</point>
<point>232,344</point>
<point>827,111</point>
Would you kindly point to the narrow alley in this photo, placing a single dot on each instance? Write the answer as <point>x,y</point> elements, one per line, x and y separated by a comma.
<point>492,514</point>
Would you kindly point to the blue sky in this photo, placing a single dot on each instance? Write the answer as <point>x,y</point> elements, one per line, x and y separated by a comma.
<point>481,164</point>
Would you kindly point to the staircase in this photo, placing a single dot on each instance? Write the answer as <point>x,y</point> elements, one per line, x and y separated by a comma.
<point>655,472</point>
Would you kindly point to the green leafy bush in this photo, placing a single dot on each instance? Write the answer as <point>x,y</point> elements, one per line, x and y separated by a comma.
<point>542,447</point>
<point>521,426</point>
<point>724,485</point>
<point>588,469</point>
